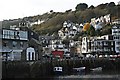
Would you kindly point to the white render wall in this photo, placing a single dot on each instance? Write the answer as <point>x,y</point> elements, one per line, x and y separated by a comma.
<point>116,34</point>
<point>84,45</point>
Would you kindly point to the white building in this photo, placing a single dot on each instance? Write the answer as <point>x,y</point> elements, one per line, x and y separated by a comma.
<point>98,45</point>
<point>57,45</point>
<point>69,30</point>
<point>103,45</point>
<point>99,22</point>
<point>84,47</point>
<point>107,18</point>
<point>116,34</point>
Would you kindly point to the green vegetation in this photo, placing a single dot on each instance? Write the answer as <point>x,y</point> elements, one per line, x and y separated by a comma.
<point>82,14</point>
<point>81,6</point>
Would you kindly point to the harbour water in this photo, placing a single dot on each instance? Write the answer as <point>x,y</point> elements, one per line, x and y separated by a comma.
<point>93,75</point>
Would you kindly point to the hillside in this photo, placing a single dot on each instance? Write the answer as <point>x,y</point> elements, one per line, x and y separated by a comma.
<point>52,21</point>
<point>55,19</point>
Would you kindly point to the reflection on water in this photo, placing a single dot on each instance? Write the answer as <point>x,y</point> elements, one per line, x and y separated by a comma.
<point>93,75</point>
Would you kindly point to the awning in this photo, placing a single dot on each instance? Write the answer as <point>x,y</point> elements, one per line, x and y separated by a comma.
<point>17,50</point>
<point>9,50</point>
<point>6,50</point>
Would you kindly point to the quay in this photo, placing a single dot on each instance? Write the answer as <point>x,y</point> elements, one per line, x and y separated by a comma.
<point>43,68</point>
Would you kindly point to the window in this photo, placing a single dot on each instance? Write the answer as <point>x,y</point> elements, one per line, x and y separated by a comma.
<point>21,44</point>
<point>98,43</point>
<point>4,43</point>
<point>84,38</point>
<point>118,43</point>
<point>83,48</point>
<point>111,43</point>
<point>28,55</point>
<point>118,49</point>
<point>32,55</point>
<point>104,37</point>
<point>114,37</point>
<point>5,34</point>
<point>114,31</point>
<point>14,43</point>
<point>111,49</point>
<point>83,43</point>
<point>32,33</point>
<point>105,43</point>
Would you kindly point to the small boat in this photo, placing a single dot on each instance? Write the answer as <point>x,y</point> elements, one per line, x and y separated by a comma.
<point>79,69</point>
<point>58,70</point>
<point>97,69</point>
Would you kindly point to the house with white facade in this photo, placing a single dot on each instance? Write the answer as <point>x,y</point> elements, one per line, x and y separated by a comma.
<point>69,30</point>
<point>107,18</point>
<point>116,37</point>
<point>103,45</point>
<point>46,42</point>
<point>36,22</point>
<point>98,45</point>
<point>84,47</point>
<point>57,44</point>
<point>99,22</point>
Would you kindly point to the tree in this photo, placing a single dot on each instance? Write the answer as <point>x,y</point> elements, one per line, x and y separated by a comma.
<point>102,6</point>
<point>91,31</point>
<point>67,11</point>
<point>91,7</point>
<point>111,4</point>
<point>98,32</point>
<point>81,6</point>
<point>87,15</point>
<point>51,11</point>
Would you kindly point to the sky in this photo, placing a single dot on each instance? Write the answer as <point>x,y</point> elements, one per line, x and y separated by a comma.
<point>14,9</point>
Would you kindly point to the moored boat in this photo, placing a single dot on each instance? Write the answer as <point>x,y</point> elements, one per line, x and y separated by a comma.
<point>97,69</point>
<point>79,69</point>
<point>58,70</point>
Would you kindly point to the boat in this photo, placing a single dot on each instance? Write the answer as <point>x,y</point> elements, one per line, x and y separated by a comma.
<point>58,70</point>
<point>79,69</point>
<point>96,69</point>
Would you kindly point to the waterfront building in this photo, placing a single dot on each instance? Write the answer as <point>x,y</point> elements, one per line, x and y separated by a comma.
<point>116,36</point>
<point>13,43</point>
<point>104,45</point>
<point>84,47</point>
<point>33,41</point>
<point>16,40</point>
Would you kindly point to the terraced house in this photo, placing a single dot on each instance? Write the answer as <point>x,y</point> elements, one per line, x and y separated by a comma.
<point>19,43</point>
<point>13,43</point>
